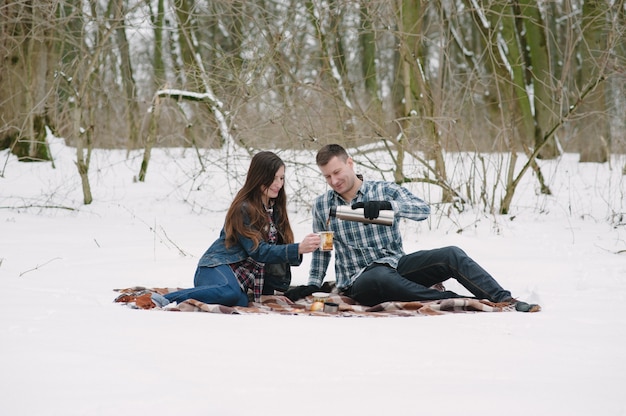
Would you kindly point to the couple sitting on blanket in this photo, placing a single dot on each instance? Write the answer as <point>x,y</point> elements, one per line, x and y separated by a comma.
<point>256,245</point>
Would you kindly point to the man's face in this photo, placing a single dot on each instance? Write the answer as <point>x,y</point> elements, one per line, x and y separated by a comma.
<point>339,174</point>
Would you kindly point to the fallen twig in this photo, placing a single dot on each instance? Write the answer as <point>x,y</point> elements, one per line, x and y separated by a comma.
<point>180,250</point>
<point>40,206</point>
<point>37,267</point>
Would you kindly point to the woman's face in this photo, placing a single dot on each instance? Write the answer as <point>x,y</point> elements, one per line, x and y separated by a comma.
<point>271,192</point>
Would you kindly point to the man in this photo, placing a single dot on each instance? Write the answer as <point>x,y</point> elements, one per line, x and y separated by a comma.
<point>370,264</point>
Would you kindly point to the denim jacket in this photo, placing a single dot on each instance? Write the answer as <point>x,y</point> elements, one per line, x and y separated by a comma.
<point>217,254</point>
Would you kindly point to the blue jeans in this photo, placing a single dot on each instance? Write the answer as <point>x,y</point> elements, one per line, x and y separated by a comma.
<point>216,285</point>
<point>418,271</point>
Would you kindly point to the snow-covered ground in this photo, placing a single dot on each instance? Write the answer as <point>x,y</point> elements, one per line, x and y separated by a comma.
<point>67,349</point>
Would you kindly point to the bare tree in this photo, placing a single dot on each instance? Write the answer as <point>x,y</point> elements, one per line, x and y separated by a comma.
<point>419,79</point>
<point>117,11</point>
<point>596,45</point>
<point>27,31</point>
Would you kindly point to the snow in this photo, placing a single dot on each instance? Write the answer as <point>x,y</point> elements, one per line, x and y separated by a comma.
<point>67,349</point>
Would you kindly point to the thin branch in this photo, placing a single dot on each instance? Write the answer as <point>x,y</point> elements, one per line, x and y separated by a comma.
<point>180,250</point>
<point>39,206</point>
<point>37,267</point>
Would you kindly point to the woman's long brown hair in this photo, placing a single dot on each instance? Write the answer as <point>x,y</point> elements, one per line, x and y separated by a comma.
<point>261,173</point>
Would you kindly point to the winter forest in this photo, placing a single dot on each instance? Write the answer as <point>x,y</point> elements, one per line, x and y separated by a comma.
<point>128,126</point>
<point>519,81</point>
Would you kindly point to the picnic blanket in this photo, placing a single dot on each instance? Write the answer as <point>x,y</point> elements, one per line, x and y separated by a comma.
<point>140,298</point>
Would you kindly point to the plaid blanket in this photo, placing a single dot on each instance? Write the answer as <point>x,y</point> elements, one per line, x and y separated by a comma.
<point>141,298</point>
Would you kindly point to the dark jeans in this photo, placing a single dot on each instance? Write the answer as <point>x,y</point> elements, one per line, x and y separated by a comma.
<point>418,271</point>
<point>217,285</point>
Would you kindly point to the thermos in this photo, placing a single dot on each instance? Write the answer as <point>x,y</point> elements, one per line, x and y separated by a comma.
<point>346,213</point>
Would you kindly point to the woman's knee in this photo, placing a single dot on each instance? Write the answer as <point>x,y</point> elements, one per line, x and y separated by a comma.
<point>212,276</point>
<point>236,297</point>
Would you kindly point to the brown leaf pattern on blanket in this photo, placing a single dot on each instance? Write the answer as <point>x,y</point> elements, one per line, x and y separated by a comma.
<point>139,298</point>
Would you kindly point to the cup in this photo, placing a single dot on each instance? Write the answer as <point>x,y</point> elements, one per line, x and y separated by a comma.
<point>327,240</point>
<point>331,307</point>
<point>320,297</point>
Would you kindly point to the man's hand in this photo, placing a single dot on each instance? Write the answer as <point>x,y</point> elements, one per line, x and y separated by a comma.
<point>300,292</point>
<point>371,209</point>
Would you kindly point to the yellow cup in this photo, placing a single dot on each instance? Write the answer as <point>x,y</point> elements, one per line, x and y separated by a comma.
<point>327,240</point>
<point>319,298</point>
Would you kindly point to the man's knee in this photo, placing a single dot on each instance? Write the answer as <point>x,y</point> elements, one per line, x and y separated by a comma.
<point>373,277</point>
<point>452,252</point>
<point>372,285</point>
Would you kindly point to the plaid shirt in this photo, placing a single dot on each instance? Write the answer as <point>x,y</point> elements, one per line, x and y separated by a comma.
<point>251,273</point>
<point>357,245</point>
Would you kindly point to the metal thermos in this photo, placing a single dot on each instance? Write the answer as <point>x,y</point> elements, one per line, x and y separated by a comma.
<point>346,213</point>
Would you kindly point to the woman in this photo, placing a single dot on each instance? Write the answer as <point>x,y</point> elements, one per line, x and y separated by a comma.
<point>256,234</point>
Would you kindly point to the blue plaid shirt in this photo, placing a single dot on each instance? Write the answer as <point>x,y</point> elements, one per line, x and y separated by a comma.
<point>357,245</point>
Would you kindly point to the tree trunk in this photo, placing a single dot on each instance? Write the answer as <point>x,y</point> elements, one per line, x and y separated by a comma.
<point>24,79</point>
<point>158,65</point>
<point>126,70</point>
<point>531,32</point>
<point>83,153</point>
<point>198,79</point>
<point>367,42</point>
<point>594,137</point>
<point>153,131</point>
<point>418,91</point>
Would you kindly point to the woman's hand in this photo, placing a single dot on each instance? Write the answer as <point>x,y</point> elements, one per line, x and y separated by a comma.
<point>310,243</point>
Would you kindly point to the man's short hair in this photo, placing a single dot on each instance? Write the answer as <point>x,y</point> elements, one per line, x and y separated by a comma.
<point>328,152</point>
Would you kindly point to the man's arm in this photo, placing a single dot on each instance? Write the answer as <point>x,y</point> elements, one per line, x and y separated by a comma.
<point>405,204</point>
